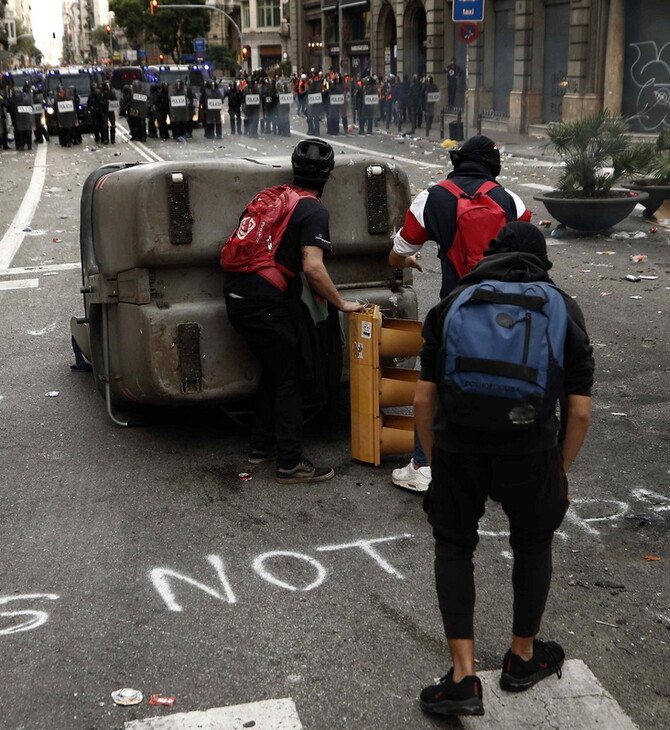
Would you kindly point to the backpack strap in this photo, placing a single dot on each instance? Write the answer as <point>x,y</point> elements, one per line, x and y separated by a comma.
<point>452,188</point>
<point>486,187</point>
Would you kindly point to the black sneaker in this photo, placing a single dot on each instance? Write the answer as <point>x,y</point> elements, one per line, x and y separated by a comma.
<point>518,675</point>
<point>260,456</point>
<point>304,471</point>
<point>447,697</point>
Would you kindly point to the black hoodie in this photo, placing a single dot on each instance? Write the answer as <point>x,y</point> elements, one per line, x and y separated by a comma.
<point>577,362</point>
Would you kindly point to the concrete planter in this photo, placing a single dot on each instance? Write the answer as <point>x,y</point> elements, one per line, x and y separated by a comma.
<point>591,214</point>
<point>658,194</point>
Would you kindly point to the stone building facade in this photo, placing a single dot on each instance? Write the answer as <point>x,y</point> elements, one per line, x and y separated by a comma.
<point>533,62</point>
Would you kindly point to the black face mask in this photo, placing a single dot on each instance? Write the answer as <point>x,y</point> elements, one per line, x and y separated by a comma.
<point>481,150</point>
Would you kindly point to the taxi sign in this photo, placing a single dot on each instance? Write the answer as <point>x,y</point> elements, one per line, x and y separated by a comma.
<point>464,10</point>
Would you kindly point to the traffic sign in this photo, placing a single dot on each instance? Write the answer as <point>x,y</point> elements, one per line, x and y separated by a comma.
<point>199,44</point>
<point>468,32</point>
<point>464,10</point>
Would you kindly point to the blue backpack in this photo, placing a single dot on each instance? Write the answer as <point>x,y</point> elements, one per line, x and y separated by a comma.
<point>503,355</point>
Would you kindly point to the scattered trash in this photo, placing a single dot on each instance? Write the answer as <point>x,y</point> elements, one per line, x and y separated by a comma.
<point>27,229</point>
<point>651,558</point>
<point>94,149</point>
<point>52,394</point>
<point>244,476</point>
<point>576,582</point>
<point>635,296</point>
<point>648,278</point>
<point>653,229</point>
<point>448,143</point>
<point>639,234</point>
<point>585,271</point>
<point>162,700</point>
<point>613,413</point>
<point>605,253</point>
<point>117,154</point>
<point>638,258</point>
<point>251,723</point>
<point>604,623</point>
<point>632,277</point>
<point>127,696</point>
<point>611,586</point>
<point>620,235</point>
<point>606,293</point>
<point>181,139</point>
<point>55,240</point>
<point>560,231</point>
<point>545,224</point>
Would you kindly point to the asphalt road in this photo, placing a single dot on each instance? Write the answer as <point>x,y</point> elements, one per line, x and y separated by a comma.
<point>138,558</point>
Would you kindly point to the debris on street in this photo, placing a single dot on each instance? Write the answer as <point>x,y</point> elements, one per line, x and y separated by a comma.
<point>127,696</point>
<point>162,700</point>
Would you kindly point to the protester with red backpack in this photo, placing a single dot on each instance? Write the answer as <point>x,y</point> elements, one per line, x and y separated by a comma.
<point>282,233</point>
<point>462,214</point>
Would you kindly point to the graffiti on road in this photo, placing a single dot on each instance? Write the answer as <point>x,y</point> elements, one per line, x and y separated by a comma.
<point>163,578</point>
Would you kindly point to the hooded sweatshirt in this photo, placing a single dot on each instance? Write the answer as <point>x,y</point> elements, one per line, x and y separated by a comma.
<point>577,362</point>
<point>432,215</point>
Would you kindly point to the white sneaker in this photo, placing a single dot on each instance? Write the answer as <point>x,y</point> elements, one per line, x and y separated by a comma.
<point>416,480</point>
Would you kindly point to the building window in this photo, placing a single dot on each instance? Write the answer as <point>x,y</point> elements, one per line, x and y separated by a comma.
<point>268,13</point>
<point>246,15</point>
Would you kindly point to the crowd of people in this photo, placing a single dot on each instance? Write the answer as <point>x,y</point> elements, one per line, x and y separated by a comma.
<point>254,103</point>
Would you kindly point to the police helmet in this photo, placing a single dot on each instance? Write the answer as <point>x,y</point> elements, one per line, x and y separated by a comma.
<point>312,161</point>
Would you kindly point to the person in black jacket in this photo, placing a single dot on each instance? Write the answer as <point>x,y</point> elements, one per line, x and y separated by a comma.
<point>272,320</point>
<point>523,469</point>
<point>432,217</point>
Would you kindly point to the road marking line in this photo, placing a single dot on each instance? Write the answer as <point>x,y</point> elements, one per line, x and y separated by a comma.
<point>140,148</point>
<point>13,238</point>
<point>577,701</point>
<point>537,186</point>
<point>39,269</point>
<point>366,151</point>
<point>19,284</point>
<point>265,715</point>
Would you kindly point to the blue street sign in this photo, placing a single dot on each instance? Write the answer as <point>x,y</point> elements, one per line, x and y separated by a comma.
<point>142,52</point>
<point>464,10</point>
<point>199,44</point>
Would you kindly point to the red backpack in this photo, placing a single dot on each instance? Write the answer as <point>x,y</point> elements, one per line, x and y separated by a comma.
<point>478,220</point>
<point>252,247</point>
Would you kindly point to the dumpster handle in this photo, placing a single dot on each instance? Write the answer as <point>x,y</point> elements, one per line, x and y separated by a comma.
<point>105,360</point>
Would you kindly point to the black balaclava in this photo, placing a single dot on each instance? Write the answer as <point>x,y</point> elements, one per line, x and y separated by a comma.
<point>479,149</point>
<point>520,237</point>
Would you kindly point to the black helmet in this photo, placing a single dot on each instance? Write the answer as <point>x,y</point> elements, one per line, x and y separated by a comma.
<point>312,160</point>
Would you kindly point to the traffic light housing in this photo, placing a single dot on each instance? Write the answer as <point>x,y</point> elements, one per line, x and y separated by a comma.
<point>153,6</point>
<point>245,52</point>
<point>108,30</point>
<point>375,386</point>
<point>161,57</point>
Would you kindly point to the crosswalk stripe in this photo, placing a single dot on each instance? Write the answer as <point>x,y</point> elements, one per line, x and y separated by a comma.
<point>19,284</point>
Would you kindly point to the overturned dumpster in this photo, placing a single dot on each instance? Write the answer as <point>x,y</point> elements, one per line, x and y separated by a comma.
<point>155,327</point>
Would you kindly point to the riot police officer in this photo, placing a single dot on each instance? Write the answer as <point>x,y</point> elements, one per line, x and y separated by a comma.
<point>234,96</point>
<point>41,132</point>
<point>94,108</point>
<point>137,112</point>
<point>22,103</point>
<point>211,103</point>
<point>110,108</point>
<point>179,111</point>
<point>66,116</point>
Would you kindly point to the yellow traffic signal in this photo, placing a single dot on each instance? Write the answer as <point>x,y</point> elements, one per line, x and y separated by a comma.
<point>153,6</point>
<point>374,386</point>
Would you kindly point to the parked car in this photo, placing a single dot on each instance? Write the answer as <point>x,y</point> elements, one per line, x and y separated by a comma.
<point>81,79</point>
